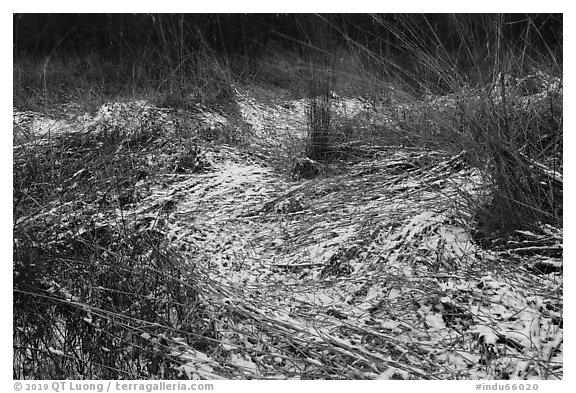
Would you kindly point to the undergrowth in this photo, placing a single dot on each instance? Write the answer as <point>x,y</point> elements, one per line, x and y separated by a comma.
<point>501,102</point>
<point>106,301</point>
<point>97,296</point>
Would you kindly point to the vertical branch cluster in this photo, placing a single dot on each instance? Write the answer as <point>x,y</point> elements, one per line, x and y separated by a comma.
<point>319,89</point>
<point>319,119</point>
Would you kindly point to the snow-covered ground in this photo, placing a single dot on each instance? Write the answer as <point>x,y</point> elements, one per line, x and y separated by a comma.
<point>373,270</point>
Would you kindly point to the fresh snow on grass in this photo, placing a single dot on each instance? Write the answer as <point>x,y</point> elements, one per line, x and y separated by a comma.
<point>371,269</point>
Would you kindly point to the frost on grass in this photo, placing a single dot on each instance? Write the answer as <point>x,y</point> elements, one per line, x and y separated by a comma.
<point>370,272</point>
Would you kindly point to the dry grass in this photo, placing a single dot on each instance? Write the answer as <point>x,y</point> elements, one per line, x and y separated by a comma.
<point>450,147</point>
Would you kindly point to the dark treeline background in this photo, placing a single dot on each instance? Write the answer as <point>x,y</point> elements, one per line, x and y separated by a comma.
<point>249,34</point>
<point>177,53</point>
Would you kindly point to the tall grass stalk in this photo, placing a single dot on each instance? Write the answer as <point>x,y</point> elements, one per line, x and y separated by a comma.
<point>504,105</point>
